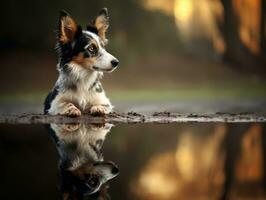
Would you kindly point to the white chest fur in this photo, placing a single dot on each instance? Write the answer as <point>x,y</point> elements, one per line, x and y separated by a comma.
<point>83,95</point>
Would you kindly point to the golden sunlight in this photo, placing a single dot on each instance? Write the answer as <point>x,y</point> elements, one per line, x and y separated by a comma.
<point>249,166</point>
<point>198,163</point>
<point>162,5</point>
<point>183,11</point>
<point>196,157</point>
<point>194,19</point>
<point>155,183</point>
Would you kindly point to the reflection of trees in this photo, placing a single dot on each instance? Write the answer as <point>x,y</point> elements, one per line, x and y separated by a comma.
<point>192,170</point>
<point>232,149</point>
<point>224,162</point>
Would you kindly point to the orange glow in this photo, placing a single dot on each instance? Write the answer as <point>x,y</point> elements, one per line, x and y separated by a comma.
<point>248,12</point>
<point>249,166</point>
<point>194,19</point>
<point>163,5</point>
<point>195,157</point>
<point>155,183</point>
<point>198,19</point>
<point>183,11</point>
<point>196,164</point>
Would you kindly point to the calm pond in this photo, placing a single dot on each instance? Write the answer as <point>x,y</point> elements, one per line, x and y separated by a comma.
<point>133,161</point>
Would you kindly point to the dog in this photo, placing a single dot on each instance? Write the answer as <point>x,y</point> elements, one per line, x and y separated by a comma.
<point>82,61</point>
<point>82,169</point>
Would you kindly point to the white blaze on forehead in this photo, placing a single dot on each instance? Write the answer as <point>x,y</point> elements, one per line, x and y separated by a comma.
<point>94,36</point>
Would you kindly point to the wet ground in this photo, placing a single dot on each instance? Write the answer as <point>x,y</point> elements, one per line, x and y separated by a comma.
<point>203,106</point>
<point>133,161</point>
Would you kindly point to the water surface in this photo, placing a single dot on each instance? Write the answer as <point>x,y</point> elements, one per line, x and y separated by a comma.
<point>155,161</point>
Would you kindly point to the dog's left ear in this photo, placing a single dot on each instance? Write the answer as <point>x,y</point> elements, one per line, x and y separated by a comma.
<point>101,23</point>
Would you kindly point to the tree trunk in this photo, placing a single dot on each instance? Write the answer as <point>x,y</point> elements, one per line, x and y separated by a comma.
<point>236,53</point>
<point>262,30</point>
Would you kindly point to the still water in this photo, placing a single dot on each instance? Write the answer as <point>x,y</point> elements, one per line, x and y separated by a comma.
<point>133,161</point>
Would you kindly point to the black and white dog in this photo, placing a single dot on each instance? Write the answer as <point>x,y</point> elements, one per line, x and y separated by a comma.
<point>82,169</point>
<point>82,61</point>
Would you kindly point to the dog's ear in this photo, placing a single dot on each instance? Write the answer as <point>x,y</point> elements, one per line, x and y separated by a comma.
<point>67,28</point>
<point>101,22</point>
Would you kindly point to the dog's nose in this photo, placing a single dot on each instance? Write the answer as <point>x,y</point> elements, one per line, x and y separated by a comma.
<point>114,62</point>
<point>115,170</point>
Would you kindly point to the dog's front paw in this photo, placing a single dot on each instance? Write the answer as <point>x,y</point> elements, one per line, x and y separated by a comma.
<point>71,111</point>
<point>98,110</point>
<point>70,127</point>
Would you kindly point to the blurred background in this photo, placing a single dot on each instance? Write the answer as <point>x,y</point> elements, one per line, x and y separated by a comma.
<point>176,55</point>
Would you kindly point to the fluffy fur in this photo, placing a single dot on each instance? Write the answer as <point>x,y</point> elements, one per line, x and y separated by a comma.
<point>82,61</point>
<point>82,168</point>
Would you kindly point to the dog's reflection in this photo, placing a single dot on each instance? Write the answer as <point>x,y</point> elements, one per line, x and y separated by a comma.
<point>82,169</point>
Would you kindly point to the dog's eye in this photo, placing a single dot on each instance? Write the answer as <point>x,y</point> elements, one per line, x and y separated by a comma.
<point>93,181</point>
<point>92,48</point>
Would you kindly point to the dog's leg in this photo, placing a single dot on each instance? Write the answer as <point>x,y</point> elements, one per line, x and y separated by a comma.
<point>61,107</point>
<point>99,103</point>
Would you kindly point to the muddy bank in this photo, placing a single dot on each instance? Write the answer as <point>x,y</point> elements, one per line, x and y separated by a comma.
<point>133,117</point>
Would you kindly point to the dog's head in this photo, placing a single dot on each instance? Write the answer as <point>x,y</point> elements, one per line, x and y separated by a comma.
<point>83,171</point>
<point>84,48</point>
<point>87,179</point>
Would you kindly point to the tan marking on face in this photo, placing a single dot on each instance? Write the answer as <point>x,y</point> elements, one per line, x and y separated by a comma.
<point>68,29</point>
<point>84,62</point>
<point>82,170</point>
